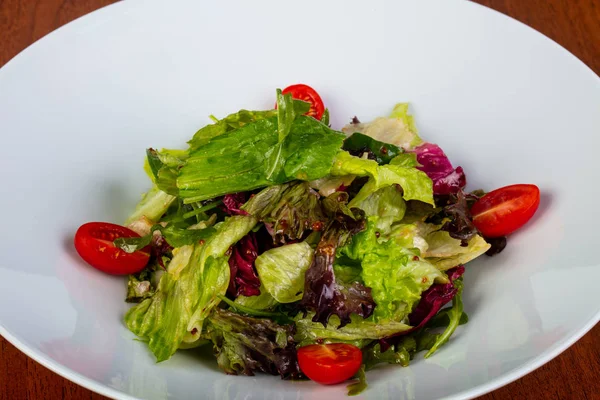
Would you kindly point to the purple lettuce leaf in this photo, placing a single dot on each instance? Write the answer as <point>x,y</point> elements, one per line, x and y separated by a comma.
<point>446,179</point>
<point>244,345</point>
<point>289,211</point>
<point>243,277</point>
<point>321,291</point>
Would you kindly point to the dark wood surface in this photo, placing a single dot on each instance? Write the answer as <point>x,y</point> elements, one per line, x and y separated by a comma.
<point>575,24</point>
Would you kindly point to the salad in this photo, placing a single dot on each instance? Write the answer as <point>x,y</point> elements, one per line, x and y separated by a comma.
<point>301,251</point>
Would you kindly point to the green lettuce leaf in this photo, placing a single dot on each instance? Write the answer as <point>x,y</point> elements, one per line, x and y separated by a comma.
<point>416,184</point>
<point>436,246</point>
<point>264,301</point>
<point>285,119</point>
<point>164,166</point>
<point>347,272</point>
<point>330,184</point>
<point>175,236</point>
<point>387,204</point>
<point>153,205</point>
<point>360,384</point>
<point>279,317</point>
<point>281,270</point>
<point>455,316</point>
<point>325,117</point>
<point>396,275</point>
<point>445,252</point>
<point>405,160</point>
<point>399,354</point>
<point>359,329</point>
<point>242,159</point>
<point>228,124</point>
<point>188,291</point>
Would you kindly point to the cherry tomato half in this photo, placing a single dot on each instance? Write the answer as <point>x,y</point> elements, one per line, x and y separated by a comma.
<point>94,243</point>
<point>329,363</point>
<point>504,210</point>
<point>310,95</point>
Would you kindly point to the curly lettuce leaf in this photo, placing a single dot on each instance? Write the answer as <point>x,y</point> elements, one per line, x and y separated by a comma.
<point>456,214</point>
<point>387,204</point>
<point>322,293</point>
<point>415,184</point>
<point>396,275</point>
<point>358,329</point>
<point>290,210</point>
<point>282,270</point>
<point>445,252</point>
<point>245,345</point>
<point>188,291</point>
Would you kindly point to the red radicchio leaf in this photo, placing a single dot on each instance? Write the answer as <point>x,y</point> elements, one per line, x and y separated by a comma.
<point>435,164</point>
<point>232,203</point>
<point>243,277</point>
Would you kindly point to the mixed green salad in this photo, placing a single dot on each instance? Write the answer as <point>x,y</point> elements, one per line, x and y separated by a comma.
<point>298,250</point>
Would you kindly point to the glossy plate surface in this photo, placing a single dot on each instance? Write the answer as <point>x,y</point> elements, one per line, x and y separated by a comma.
<point>78,108</point>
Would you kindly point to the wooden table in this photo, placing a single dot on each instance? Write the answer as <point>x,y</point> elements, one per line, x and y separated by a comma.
<point>575,24</point>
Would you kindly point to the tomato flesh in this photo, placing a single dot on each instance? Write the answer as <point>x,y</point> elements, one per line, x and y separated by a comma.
<point>329,364</point>
<point>504,210</point>
<point>94,243</point>
<point>310,95</point>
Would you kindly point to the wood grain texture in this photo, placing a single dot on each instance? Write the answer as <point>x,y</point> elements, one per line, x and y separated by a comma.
<point>575,24</point>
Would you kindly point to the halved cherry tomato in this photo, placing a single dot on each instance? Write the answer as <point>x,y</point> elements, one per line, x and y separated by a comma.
<point>94,243</point>
<point>504,210</point>
<point>310,95</point>
<point>329,363</point>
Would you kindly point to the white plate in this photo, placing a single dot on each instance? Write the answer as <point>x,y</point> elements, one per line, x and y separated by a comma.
<point>78,109</point>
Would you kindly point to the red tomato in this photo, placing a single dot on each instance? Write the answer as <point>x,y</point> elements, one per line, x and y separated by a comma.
<point>329,363</point>
<point>94,243</point>
<point>310,95</point>
<point>504,210</point>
